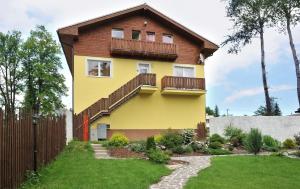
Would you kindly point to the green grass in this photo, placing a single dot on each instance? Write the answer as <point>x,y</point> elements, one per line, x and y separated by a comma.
<point>249,172</point>
<point>76,168</point>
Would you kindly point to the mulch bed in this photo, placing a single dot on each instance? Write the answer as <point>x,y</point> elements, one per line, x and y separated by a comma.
<point>124,153</point>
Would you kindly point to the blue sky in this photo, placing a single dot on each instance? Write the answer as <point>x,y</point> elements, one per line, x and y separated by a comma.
<point>233,81</point>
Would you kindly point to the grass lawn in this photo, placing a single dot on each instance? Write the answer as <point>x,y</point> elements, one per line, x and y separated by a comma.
<point>255,172</point>
<point>76,168</point>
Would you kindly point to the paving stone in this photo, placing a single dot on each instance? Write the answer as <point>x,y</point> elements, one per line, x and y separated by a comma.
<point>100,152</point>
<point>178,178</point>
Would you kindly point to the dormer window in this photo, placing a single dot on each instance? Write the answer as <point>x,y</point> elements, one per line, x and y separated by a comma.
<point>136,35</point>
<point>167,38</point>
<point>150,36</point>
<point>117,33</point>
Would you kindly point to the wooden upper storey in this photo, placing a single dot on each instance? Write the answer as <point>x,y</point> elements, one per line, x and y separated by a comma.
<point>94,38</point>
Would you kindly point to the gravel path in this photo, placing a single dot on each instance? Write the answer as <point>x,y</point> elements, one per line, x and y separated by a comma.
<point>180,176</point>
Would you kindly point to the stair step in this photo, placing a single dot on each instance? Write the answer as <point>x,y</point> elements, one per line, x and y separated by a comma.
<point>101,153</point>
<point>96,151</point>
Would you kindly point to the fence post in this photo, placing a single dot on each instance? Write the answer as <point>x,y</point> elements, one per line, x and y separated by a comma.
<point>34,125</point>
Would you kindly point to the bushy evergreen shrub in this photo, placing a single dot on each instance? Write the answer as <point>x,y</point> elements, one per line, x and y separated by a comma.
<point>216,138</point>
<point>253,141</point>
<point>150,144</point>
<point>158,156</point>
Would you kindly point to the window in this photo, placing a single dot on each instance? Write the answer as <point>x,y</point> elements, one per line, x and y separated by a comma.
<point>117,33</point>
<point>150,36</point>
<point>136,35</point>
<point>143,68</point>
<point>167,38</point>
<point>99,68</point>
<point>181,71</point>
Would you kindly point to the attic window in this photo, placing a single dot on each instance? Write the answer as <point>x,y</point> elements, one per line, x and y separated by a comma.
<point>167,38</point>
<point>136,35</point>
<point>150,36</point>
<point>117,33</point>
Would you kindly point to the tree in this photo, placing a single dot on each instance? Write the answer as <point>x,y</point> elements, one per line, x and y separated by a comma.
<point>250,18</point>
<point>44,84</point>
<point>287,14</point>
<point>209,111</point>
<point>216,112</point>
<point>10,70</point>
<point>275,110</point>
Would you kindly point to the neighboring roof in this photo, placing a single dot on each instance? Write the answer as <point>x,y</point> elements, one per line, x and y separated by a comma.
<point>67,34</point>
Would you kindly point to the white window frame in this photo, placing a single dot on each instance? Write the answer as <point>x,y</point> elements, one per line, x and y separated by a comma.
<point>184,66</point>
<point>98,59</point>
<point>165,34</point>
<point>138,68</point>
<point>120,29</point>
<point>153,35</point>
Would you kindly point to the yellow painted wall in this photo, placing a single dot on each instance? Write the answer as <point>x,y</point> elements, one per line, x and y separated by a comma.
<point>144,111</point>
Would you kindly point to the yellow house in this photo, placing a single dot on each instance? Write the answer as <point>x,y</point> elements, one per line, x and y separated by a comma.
<point>137,72</point>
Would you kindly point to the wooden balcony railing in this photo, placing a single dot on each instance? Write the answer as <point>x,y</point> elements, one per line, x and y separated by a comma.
<point>186,83</point>
<point>104,105</point>
<point>143,49</point>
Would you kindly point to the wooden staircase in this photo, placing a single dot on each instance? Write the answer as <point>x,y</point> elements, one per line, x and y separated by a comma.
<point>105,106</point>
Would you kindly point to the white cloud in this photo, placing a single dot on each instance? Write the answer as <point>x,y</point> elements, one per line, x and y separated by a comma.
<point>256,91</point>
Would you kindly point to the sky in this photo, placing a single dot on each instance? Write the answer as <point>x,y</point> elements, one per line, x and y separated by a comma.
<point>234,82</point>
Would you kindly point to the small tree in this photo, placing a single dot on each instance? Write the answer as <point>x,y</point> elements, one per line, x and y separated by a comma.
<point>253,141</point>
<point>209,111</point>
<point>216,112</point>
<point>275,109</point>
<point>10,70</point>
<point>44,84</point>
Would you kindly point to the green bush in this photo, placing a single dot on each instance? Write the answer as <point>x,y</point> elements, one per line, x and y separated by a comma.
<point>253,141</point>
<point>188,149</point>
<point>150,144</point>
<point>289,144</point>
<point>216,138</point>
<point>188,135</point>
<point>218,151</point>
<point>158,156</point>
<point>158,138</point>
<point>172,139</point>
<point>270,144</point>
<point>234,135</point>
<point>118,140</point>
<point>139,146</point>
<point>178,150</point>
<point>297,138</point>
<point>215,145</point>
<point>199,147</point>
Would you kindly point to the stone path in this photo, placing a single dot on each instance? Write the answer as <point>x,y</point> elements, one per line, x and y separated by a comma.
<point>178,178</point>
<point>100,152</point>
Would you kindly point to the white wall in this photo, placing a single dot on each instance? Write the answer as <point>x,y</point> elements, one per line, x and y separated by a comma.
<point>279,127</point>
<point>69,125</point>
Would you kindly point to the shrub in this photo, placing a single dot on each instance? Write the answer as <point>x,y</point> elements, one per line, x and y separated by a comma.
<point>218,151</point>
<point>188,149</point>
<point>178,150</point>
<point>215,145</point>
<point>150,144</point>
<point>199,147</point>
<point>216,138</point>
<point>138,146</point>
<point>118,140</point>
<point>234,135</point>
<point>188,136</point>
<point>253,141</point>
<point>297,138</point>
<point>172,139</point>
<point>270,144</point>
<point>289,144</point>
<point>158,156</point>
<point>158,138</point>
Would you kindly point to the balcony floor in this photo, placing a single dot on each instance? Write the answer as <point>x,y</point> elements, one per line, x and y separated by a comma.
<point>185,92</point>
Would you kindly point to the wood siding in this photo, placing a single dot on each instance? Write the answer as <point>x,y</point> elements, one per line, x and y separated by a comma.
<point>97,41</point>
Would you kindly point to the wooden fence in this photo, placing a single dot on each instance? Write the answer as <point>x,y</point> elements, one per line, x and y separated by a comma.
<point>18,139</point>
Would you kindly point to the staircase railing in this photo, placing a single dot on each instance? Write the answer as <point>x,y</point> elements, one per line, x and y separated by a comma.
<point>105,104</point>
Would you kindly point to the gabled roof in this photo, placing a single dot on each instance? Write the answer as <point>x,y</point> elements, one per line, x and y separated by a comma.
<point>69,33</point>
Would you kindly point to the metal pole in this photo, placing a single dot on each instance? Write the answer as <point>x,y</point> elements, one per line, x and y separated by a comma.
<point>34,124</point>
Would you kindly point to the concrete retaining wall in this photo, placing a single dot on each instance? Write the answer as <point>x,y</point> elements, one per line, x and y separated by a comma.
<point>279,127</point>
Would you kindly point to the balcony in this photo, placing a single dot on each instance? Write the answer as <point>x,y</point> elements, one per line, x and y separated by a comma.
<point>182,86</point>
<point>143,49</point>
